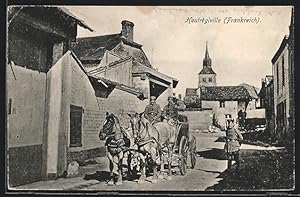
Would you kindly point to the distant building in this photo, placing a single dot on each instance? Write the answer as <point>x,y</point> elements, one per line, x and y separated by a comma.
<point>266,95</point>
<point>119,58</point>
<point>225,100</point>
<point>207,77</point>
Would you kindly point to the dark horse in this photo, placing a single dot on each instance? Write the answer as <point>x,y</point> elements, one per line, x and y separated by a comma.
<point>116,143</point>
<point>152,139</point>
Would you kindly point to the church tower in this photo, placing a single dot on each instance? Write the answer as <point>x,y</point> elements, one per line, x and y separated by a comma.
<point>207,77</point>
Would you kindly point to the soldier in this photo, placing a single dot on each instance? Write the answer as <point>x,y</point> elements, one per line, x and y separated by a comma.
<point>170,111</point>
<point>153,111</point>
<point>233,143</point>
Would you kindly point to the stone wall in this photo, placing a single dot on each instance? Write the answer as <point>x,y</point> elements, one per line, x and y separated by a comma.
<point>199,120</point>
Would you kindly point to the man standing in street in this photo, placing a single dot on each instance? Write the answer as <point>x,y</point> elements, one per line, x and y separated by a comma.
<point>153,111</point>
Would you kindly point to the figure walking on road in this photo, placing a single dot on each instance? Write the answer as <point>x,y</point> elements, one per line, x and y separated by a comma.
<point>233,143</point>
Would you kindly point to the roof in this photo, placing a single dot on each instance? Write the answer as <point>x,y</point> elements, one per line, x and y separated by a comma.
<point>251,89</point>
<point>224,93</point>
<point>140,69</point>
<point>207,70</point>
<point>284,42</point>
<point>91,48</point>
<point>13,10</point>
<point>123,87</point>
<point>191,91</point>
<point>78,21</point>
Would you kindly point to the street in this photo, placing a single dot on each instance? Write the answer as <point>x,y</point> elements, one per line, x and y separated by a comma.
<point>202,176</point>
<point>207,174</point>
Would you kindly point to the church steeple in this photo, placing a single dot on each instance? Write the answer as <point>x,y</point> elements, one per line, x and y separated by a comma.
<point>206,60</point>
<point>207,77</point>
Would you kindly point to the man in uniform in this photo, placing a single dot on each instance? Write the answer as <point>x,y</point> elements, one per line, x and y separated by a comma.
<point>170,111</point>
<point>153,111</point>
<point>233,143</point>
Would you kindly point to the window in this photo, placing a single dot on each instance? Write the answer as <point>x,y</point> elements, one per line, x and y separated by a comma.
<point>204,79</point>
<point>210,79</point>
<point>283,70</point>
<point>222,104</point>
<point>75,126</point>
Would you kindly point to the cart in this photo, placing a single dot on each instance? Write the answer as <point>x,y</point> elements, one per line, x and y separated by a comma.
<point>184,149</point>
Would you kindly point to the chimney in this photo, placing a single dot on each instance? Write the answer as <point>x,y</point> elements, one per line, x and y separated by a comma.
<point>127,30</point>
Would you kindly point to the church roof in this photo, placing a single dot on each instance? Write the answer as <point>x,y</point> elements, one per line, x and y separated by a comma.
<point>207,70</point>
<point>224,93</point>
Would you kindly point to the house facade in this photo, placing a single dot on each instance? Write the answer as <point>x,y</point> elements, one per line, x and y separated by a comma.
<point>284,85</point>
<point>224,100</point>
<point>118,58</point>
<point>280,70</point>
<point>266,95</point>
<point>292,73</point>
<point>51,101</point>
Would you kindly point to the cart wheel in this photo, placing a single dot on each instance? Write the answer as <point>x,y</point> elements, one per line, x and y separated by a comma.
<point>193,152</point>
<point>183,152</point>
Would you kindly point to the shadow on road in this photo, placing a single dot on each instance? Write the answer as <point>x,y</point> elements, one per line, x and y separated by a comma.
<point>101,176</point>
<point>213,154</point>
<point>210,171</point>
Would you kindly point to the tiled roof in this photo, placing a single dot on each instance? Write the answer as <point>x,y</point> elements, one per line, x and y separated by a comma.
<point>224,93</point>
<point>251,89</point>
<point>207,70</point>
<point>191,92</point>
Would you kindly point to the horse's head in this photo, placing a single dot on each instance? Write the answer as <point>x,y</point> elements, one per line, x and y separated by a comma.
<point>108,125</point>
<point>135,122</point>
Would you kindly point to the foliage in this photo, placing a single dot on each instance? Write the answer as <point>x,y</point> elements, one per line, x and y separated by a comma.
<point>192,102</point>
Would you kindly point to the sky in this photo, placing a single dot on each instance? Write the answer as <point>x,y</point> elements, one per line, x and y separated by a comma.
<point>241,52</point>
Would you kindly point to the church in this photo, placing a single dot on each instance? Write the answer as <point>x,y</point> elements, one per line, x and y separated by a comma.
<point>221,100</point>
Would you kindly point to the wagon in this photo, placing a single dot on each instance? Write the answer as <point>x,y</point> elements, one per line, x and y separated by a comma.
<point>184,149</point>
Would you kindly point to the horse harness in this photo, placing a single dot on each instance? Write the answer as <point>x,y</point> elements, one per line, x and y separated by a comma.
<point>115,145</point>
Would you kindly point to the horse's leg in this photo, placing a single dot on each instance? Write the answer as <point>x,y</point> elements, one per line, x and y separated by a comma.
<point>170,154</point>
<point>120,169</point>
<point>153,156</point>
<point>111,167</point>
<point>162,165</point>
<point>143,168</point>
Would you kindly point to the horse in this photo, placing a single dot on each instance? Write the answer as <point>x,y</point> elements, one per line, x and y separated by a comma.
<point>116,143</point>
<point>153,139</point>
